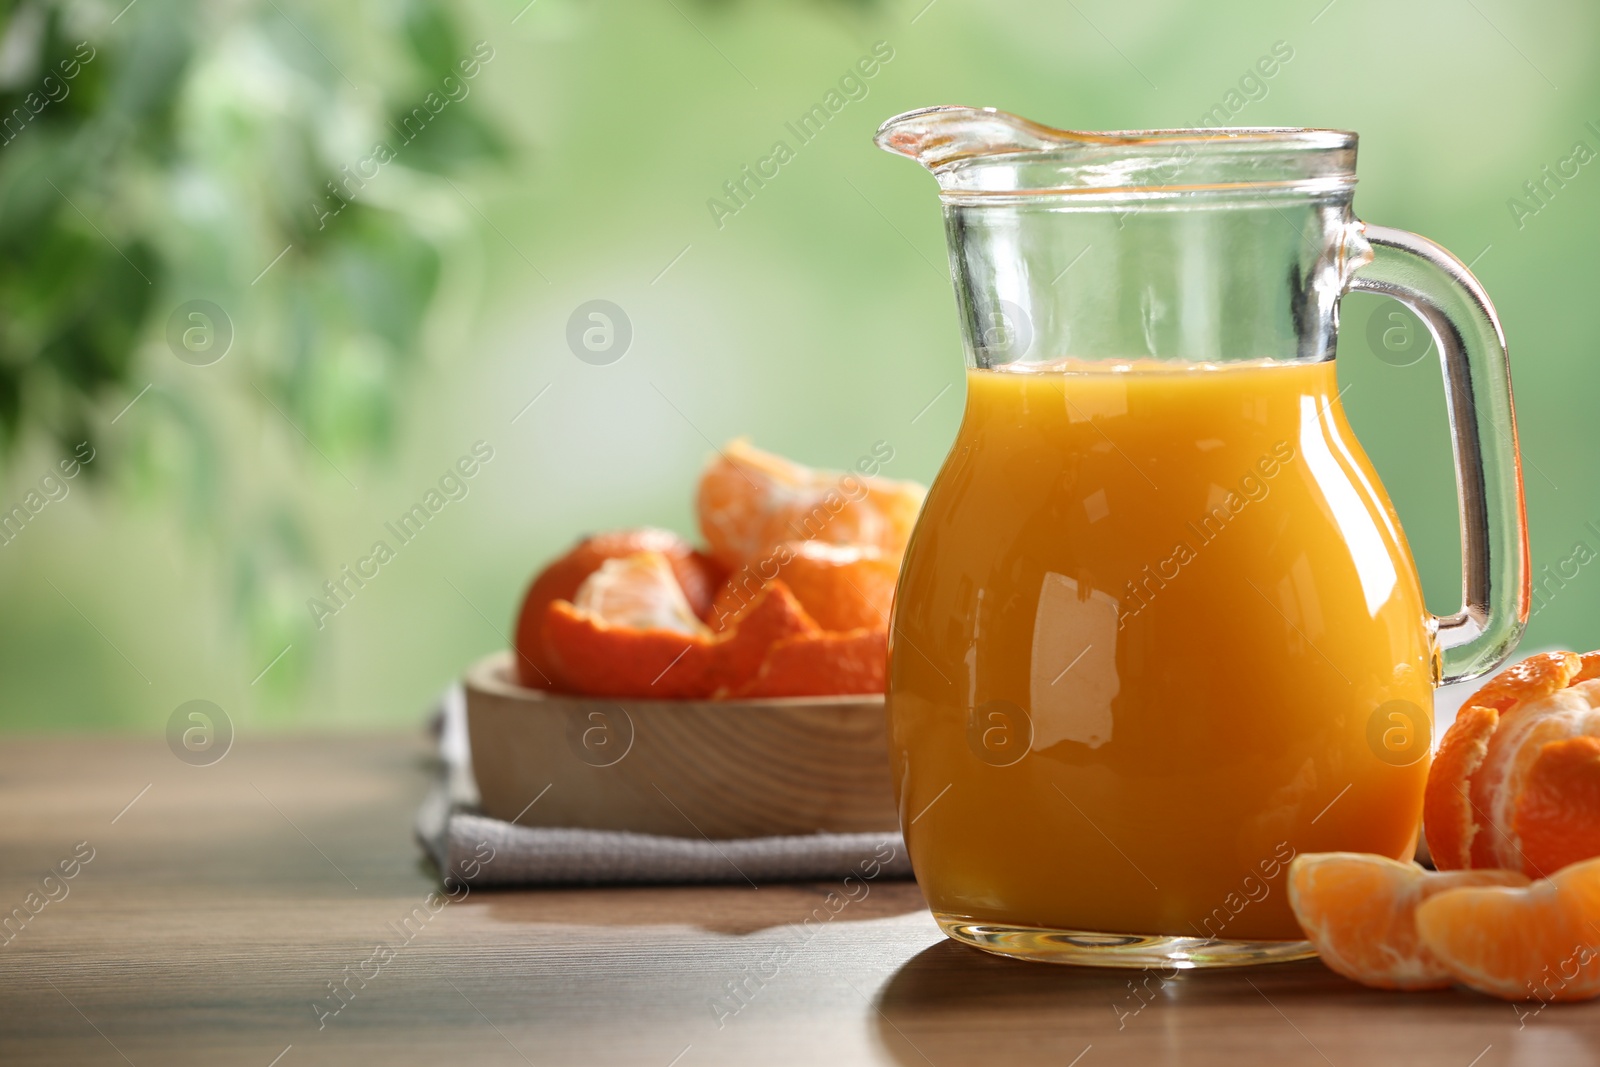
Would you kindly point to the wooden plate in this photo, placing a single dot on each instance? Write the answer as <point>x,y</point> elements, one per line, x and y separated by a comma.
<point>717,769</point>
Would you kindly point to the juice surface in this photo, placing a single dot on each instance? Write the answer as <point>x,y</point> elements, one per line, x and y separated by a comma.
<point>1156,633</point>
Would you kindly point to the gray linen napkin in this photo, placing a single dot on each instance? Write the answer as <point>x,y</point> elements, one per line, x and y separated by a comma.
<point>480,851</point>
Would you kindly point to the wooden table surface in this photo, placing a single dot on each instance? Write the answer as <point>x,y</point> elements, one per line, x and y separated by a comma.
<point>221,903</point>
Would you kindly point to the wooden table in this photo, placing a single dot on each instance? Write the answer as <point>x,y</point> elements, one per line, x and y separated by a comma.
<point>221,902</point>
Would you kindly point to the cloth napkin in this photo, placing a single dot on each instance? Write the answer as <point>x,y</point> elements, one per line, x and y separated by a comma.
<point>480,851</point>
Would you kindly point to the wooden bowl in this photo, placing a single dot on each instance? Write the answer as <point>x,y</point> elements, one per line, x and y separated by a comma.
<point>715,769</point>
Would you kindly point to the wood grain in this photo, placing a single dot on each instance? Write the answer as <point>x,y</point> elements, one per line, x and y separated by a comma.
<point>721,769</point>
<point>217,908</point>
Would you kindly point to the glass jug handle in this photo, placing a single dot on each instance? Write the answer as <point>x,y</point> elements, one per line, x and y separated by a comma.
<point>1477,379</point>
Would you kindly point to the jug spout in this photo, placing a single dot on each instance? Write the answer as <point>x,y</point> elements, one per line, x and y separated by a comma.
<point>936,136</point>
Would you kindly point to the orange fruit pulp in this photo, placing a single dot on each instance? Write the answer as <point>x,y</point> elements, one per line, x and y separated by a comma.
<point>749,502</point>
<point>1537,943</point>
<point>639,591</point>
<point>830,663</point>
<point>1360,912</point>
<point>843,587</point>
<point>1143,630</point>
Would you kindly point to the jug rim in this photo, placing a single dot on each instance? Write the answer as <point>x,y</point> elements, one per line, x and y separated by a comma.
<point>987,153</point>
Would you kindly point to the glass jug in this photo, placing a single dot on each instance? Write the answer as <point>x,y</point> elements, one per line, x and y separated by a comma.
<point>1158,630</point>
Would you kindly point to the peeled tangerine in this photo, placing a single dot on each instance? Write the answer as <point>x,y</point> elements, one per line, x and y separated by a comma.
<point>1516,782</point>
<point>629,632</point>
<point>805,561</point>
<point>751,501</point>
<point>1394,925</point>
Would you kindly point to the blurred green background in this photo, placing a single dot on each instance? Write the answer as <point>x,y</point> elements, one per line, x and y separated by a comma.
<point>189,159</point>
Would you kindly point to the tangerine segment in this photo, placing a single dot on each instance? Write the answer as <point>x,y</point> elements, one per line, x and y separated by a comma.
<point>598,658</point>
<point>843,587</point>
<point>1447,816</point>
<point>1558,813</point>
<point>639,591</point>
<point>1358,909</point>
<point>823,664</point>
<point>1535,943</point>
<point>560,580</point>
<point>749,501</point>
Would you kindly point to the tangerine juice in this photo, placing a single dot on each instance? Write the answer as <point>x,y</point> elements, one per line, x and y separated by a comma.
<point>1157,632</point>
